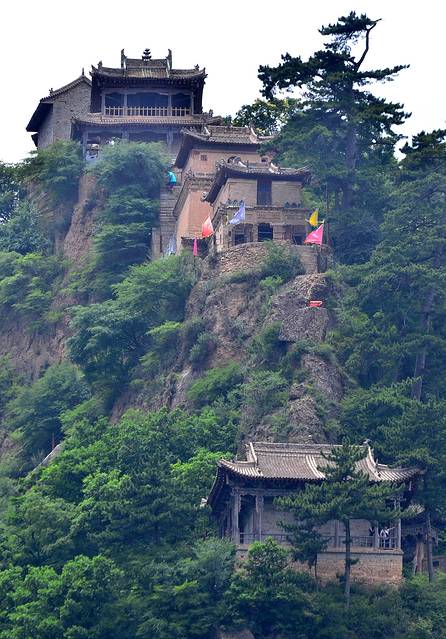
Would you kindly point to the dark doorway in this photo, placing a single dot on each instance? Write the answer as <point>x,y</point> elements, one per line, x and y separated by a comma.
<point>239,238</point>
<point>265,232</point>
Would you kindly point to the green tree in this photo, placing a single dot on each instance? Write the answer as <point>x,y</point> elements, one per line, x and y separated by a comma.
<point>267,117</point>
<point>22,232</point>
<point>268,596</point>
<point>417,436</point>
<point>10,191</point>
<point>345,494</point>
<point>110,338</point>
<point>34,414</point>
<point>56,170</point>
<point>342,130</point>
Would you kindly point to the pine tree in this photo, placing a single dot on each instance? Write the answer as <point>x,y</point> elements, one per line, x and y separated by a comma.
<point>343,131</point>
<point>345,494</point>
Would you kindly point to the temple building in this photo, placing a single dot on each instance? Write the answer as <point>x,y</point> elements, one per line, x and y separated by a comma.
<point>52,119</point>
<point>243,496</point>
<point>272,197</point>
<point>144,100</point>
<point>216,166</point>
<point>199,154</point>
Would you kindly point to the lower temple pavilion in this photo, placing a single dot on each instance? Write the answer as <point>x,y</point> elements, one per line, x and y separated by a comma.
<point>243,503</point>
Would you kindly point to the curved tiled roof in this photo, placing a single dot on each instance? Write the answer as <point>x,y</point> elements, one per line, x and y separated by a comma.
<point>299,462</point>
<point>154,71</point>
<point>98,118</point>
<point>303,461</point>
<point>217,135</point>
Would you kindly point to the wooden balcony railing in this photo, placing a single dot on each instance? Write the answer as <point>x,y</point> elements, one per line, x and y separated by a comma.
<point>141,111</point>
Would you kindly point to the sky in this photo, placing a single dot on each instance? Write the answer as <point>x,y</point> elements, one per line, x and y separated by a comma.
<point>46,44</point>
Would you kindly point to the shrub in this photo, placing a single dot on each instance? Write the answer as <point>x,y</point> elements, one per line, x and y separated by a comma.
<point>267,348</point>
<point>57,169</point>
<point>131,175</point>
<point>191,330</point>
<point>282,262</point>
<point>131,163</point>
<point>271,283</point>
<point>217,382</point>
<point>27,284</point>
<point>202,350</point>
<point>22,233</point>
<point>262,394</point>
<point>164,343</point>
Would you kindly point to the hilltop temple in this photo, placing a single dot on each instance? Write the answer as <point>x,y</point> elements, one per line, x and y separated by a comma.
<point>217,166</point>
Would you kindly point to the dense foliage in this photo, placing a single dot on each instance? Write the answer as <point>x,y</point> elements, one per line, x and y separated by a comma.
<point>112,540</point>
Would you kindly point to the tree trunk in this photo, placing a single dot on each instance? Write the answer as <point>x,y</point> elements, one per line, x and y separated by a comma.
<point>350,160</point>
<point>348,563</point>
<point>430,563</point>
<point>420,360</point>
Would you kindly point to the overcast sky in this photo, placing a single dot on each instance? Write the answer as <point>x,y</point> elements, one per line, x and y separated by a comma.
<point>46,43</point>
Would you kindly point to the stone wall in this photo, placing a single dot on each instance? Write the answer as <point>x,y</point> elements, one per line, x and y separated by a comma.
<point>74,102</point>
<point>283,192</point>
<point>373,566</point>
<point>249,256</point>
<point>46,131</point>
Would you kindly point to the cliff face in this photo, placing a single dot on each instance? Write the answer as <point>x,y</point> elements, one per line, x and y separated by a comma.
<point>33,350</point>
<point>231,306</point>
<point>234,309</point>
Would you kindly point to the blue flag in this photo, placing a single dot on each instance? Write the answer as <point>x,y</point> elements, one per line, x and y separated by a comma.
<point>239,217</point>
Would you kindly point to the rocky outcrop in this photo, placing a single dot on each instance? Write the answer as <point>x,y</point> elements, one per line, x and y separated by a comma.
<point>78,240</point>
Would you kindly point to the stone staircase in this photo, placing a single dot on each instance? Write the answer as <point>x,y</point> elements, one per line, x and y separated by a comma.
<point>161,237</point>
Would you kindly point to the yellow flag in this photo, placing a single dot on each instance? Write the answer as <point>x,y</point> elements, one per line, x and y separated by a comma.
<point>314,218</point>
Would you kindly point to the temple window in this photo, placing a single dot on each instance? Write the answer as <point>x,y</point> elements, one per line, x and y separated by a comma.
<point>265,232</point>
<point>147,100</point>
<point>239,237</point>
<point>264,191</point>
<point>297,239</point>
<point>181,104</point>
<point>114,99</point>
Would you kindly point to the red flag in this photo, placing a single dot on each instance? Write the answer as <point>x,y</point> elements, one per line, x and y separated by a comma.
<point>316,236</point>
<point>195,247</point>
<point>315,303</point>
<point>207,229</point>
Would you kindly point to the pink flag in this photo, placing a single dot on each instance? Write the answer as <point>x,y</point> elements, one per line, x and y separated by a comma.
<point>207,229</point>
<point>195,247</point>
<point>316,236</point>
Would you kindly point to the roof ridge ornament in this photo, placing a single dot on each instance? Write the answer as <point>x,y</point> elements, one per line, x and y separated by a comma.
<point>146,55</point>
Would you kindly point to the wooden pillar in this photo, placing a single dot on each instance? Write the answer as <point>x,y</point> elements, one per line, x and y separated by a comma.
<point>259,516</point>
<point>255,233</point>
<point>169,104</point>
<point>375,535</point>
<point>235,517</point>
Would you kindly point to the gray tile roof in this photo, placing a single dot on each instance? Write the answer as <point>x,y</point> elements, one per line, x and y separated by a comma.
<point>267,460</point>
